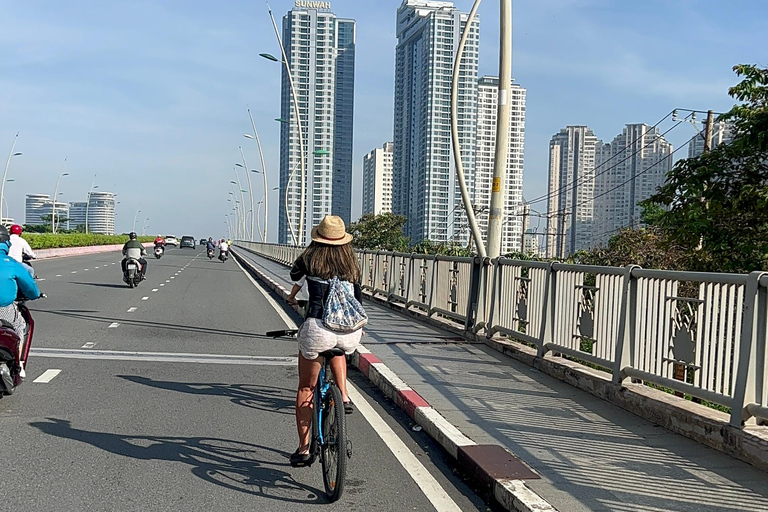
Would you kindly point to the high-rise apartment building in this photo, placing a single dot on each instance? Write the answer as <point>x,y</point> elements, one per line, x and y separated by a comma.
<point>377,180</point>
<point>38,210</point>
<point>487,105</point>
<point>571,191</point>
<point>721,134</point>
<point>425,188</point>
<point>628,170</point>
<point>99,212</point>
<point>321,56</point>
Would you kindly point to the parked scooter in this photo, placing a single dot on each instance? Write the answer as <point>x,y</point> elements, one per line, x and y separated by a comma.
<point>132,274</point>
<point>159,251</point>
<point>10,358</point>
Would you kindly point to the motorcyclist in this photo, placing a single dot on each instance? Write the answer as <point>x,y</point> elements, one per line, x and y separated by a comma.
<point>20,248</point>
<point>134,250</point>
<point>160,241</point>
<point>223,249</point>
<point>14,278</point>
<point>210,246</point>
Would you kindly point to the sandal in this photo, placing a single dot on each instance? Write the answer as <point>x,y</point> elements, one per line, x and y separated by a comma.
<point>349,408</point>
<point>300,460</point>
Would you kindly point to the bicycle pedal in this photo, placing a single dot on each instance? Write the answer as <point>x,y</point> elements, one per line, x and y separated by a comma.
<point>349,448</point>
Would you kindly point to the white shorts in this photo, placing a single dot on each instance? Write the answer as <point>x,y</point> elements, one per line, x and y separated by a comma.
<point>314,338</point>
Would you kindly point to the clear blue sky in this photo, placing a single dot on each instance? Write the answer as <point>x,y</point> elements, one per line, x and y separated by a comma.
<point>151,96</point>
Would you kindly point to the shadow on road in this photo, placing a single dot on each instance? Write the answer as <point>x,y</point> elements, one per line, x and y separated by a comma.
<point>235,465</point>
<point>101,285</point>
<point>266,398</point>
<point>155,325</point>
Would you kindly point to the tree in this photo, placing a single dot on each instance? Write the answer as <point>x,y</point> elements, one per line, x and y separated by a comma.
<point>648,247</point>
<point>717,203</point>
<point>379,232</point>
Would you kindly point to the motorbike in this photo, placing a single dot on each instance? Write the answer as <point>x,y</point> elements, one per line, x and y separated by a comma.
<point>26,259</point>
<point>223,255</point>
<point>132,274</point>
<point>211,254</point>
<point>159,251</point>
<point>10,358</point>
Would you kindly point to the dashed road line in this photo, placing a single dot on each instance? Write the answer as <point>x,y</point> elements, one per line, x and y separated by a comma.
<point>113,325</point>
<point>145,298</point>
<point>90,344</point>
<point>58,275</point>
<point>162,284</point>
<point>154,289</point>
<point>74,272</point>
<point>131,310</point>
<point>47,376</point>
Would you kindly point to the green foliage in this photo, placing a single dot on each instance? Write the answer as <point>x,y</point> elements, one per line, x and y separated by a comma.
<point>649,247</point>
<point>445,249</point>
<point>382,232</point>
<point>717,203</point>
<point>50,241</point>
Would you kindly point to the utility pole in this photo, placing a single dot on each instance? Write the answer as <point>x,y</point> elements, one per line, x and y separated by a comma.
<point>496,214</point>
<point>708,129</point>
<point>526,209</point>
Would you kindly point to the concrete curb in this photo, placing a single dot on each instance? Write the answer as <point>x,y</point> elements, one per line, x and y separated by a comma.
<point>511,493</point>
<point>60,252</point>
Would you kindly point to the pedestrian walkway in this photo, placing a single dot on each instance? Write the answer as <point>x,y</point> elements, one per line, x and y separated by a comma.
<point>591,455</point>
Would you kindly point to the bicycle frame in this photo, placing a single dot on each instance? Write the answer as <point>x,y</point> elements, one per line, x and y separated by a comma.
<point>321,389</point>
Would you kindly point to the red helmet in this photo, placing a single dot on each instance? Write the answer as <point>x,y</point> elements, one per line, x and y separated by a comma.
<point>16,229</point>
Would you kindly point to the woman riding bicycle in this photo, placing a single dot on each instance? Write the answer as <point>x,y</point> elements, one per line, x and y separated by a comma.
<point>329,255</point>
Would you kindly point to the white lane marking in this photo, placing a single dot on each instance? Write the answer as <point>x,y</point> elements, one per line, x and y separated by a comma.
<point>154,289</point>
<point>131,310</point>
<point>47,376</point>
<point>58,275</point>
<point>113,325</point>
<point>424,480</point>
<point>172,277</point>
<point>167,281</point>
<point>145,298</point>
<point>90,344</point>
<point>289,323</point>
<point>65,353</point>
<point>74,272</point>
<point>41,279</point>
<point>85,269</point>
<point>95,267</point>
<point>113,262</point>
<point>162,284</point>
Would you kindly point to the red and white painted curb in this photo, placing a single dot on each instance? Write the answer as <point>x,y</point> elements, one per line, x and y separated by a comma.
<point>60,252</point>
<point>511,493</point>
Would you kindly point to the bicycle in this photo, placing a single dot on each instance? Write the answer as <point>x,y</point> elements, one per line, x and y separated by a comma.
<point>329,424</point>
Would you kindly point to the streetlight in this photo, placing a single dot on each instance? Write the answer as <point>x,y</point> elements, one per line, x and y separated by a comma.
<point>7,213</point>
<point>56,196</point>
<point>7,164</point>
<point>88,204</point>
<point>133,230</point>
<point>144,226</point>
<point>298,121</point>
<point>250,187</point>
<point>263,172</point>
<point>242,198</point>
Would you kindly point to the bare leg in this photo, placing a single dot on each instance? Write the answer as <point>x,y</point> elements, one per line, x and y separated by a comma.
<point>308,372</point>
<point>339,369</point>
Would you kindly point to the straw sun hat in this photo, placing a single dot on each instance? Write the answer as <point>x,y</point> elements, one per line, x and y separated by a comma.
<point>331,231</point>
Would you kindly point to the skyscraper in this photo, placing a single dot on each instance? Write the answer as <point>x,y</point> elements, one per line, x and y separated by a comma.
<point>571,191</point>
<point>628,170</point>
<point>321,55</point>
<point>722,134</point>
<point>377,180</point>
<point>39,209</point>
<point>425,189</point>
<point>487,104</point>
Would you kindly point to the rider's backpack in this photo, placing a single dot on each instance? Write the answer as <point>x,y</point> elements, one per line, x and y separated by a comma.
<point>342,313</point>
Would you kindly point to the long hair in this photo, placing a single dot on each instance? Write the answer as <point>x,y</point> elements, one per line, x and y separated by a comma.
<point>326,261</point>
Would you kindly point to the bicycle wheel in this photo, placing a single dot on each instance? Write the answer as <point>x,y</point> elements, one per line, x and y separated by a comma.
<point>333,452</point>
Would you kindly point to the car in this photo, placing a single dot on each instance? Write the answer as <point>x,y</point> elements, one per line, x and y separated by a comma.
<point>203,241</point>
<point>187,241</point>
<point>171,240</point>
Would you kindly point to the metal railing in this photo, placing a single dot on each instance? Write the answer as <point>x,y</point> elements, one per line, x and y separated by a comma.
<point>702,334</point>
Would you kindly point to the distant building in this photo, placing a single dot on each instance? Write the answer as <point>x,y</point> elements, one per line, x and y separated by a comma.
<point>628,170</point>
<point>487,105</point>
<point>571,191</point>
<point>722,134</point>
<point>101,213</point>
<point>77,214</point>
<point>38,209</point>
<point>425,188</point>
<point>531,243</point>
<point>321,56</point>
<point>377,180</point>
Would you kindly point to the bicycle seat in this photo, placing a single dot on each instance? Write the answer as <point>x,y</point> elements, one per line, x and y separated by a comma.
<point>332,353</point>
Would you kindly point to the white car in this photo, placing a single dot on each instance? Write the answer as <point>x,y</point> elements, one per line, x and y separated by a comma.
<point>171,240</point>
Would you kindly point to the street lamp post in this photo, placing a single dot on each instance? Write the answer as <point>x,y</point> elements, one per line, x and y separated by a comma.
<point>250,187</point>
<point>263,173</point>
<point>302,156</point>
<point>134,220</point>
<point>242,197</point>
<point>56,196</point>
<point>88,203</point>
<point>7,164</point>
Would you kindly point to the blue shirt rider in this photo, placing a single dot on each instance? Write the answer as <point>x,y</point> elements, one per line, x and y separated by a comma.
<point>210,246</point>
<point>14,280</point>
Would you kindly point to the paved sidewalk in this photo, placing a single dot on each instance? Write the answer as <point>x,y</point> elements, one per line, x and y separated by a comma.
<point>591,455</point>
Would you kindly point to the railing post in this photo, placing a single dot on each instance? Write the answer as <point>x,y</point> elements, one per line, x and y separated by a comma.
<point>623,356</point>
<point>548,315</point>
<point>475,289</point>
<point>411,260</point>
<point>495,287</point>
<point>744,392</point>
<point>433,280</point>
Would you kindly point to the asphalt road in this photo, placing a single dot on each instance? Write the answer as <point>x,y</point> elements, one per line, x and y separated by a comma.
<point>168,399</point>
